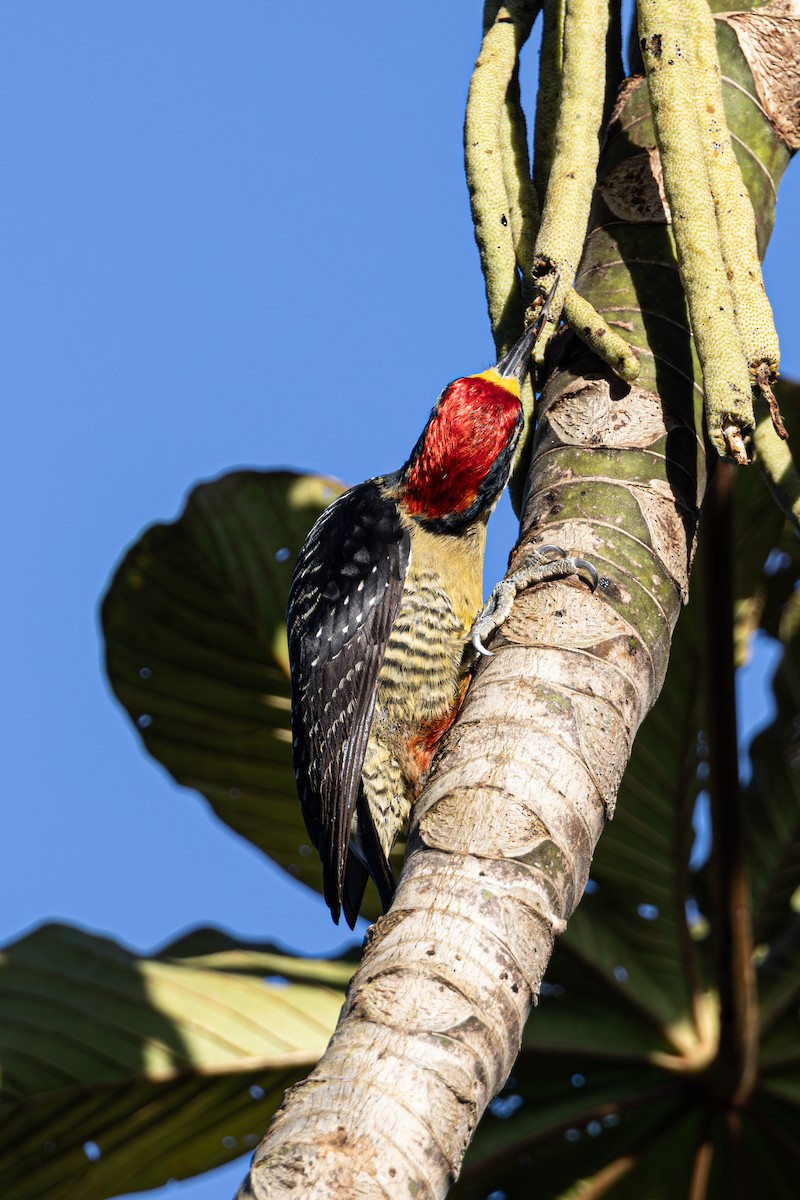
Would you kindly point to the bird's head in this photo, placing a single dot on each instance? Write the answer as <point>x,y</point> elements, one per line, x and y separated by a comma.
<point>462,460</point>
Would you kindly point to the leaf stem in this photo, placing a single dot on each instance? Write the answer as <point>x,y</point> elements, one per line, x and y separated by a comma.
<point>733,1072</point>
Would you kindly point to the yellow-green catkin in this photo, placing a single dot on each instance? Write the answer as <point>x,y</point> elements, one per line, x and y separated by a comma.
<point>666,50</point>
<point>775,460</point>
<point>523,203</point>
<point>576,149</point>
<point>735,217</point>
<point>548,97</point>
<point>507,27</point>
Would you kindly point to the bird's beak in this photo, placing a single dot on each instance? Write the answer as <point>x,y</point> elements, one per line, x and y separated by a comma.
<point>515,364</point>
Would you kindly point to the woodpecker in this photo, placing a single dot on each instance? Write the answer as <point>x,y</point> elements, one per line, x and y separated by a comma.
<point>383,599</point>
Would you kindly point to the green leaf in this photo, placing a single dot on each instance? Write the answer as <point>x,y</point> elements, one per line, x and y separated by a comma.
<point>195,631</point>
<point>121,1072</point>
<point>627,1009</point>
<point>553,1159</point>
<point>219,951</point>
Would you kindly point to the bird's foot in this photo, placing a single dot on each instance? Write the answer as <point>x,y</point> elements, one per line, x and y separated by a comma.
<point>535,569</point>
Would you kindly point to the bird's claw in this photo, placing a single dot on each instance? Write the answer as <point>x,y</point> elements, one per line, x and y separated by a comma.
<point>535,569</point>
<point>493,614</point>
<point>583,564</point>
<point>479,646</point>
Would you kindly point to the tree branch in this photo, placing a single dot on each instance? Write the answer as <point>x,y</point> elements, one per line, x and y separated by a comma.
<point>504,833</point>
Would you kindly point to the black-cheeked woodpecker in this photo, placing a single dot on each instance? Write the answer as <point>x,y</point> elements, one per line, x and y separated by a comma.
<point>383,599</point>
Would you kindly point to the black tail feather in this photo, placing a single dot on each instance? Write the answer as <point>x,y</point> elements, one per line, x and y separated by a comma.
<point>355,880</point>
<point>376,860</point>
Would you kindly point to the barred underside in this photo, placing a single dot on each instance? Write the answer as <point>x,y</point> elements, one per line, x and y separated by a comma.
<point>418,693</point>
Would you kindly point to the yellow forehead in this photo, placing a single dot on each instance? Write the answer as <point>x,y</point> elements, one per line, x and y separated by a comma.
<point>509,382</point>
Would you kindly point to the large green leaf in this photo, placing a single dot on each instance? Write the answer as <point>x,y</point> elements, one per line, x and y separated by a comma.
<point>195,631</point>
<point>627,1020</point>
<point>121,1072</point>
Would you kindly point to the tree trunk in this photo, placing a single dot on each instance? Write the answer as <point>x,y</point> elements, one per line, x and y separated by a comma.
<point>504,833</point>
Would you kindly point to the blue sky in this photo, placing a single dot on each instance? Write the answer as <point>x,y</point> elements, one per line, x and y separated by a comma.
<point>235,234</point>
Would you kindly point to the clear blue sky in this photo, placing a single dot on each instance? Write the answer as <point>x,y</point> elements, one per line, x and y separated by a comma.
<point>234,234</point>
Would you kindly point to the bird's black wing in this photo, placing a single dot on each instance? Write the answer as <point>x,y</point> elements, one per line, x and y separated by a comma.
<point>344,598</point>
